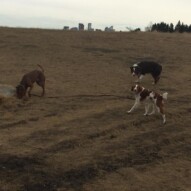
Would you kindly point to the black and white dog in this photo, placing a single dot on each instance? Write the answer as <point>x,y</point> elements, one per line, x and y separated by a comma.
<point>146,67</point>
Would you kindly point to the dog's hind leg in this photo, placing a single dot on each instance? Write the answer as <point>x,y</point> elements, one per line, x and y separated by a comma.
<point>164,118</point>
<point>42,85</point>
<point>161,111</point>
<point>147,106</point>
<point>153,111</point>
<point>43,90</point>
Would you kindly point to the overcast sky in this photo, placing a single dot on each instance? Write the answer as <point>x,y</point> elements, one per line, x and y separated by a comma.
<point>101,13</point>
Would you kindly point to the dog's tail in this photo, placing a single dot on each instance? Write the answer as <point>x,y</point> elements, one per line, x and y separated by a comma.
<point>40,67</point>
<point>165,95</point>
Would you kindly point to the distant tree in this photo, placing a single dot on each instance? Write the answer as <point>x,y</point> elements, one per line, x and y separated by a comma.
<point>178,26</point>
<point>154,27</point>
<point>171,28</point>
<point>189,28</point>
<point>160,27</point>
<point>181,27</point>
<point>186,28</point>
<point>164,27</point>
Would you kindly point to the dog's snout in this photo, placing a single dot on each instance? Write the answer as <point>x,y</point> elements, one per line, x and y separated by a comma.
<point>133,88</point>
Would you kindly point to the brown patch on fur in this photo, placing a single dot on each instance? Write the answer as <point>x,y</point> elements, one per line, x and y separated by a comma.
<point>145,93</point>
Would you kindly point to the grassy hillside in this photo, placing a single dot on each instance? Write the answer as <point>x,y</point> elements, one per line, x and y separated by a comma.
<point>79,136</point>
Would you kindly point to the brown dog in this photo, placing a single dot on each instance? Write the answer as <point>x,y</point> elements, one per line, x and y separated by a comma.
<point>28,80</point>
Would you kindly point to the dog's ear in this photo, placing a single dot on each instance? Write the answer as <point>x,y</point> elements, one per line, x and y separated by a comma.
<point>132,88</point>
<point>20,91</point>
<point>19,86</point>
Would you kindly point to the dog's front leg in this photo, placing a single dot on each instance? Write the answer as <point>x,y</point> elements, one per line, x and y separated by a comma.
<point>43,91</point>
<point>137,103</point>
<point>139,78</point>
<point>30,89</point>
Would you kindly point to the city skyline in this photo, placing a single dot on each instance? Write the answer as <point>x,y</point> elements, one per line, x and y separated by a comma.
<point>121,14</point>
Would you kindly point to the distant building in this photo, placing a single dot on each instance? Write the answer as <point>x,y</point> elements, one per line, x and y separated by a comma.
<point>74,29</point>
<point>109,29</point>
<point>81,27</point>
<point>89,26</point>
<point>66,28</point>
<point>98,30</point>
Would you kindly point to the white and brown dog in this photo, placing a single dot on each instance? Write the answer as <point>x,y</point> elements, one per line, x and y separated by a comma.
<point>150,98</point>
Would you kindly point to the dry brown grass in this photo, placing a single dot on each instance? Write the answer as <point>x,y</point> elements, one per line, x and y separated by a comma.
<point>79,136</point>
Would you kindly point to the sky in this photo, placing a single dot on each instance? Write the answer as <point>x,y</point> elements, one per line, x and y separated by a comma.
<point>121,14</point>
